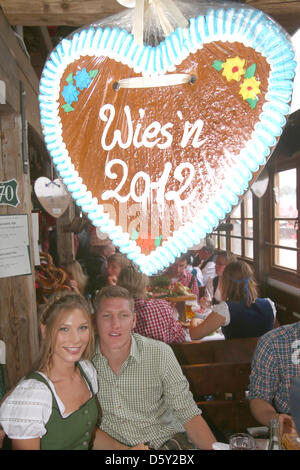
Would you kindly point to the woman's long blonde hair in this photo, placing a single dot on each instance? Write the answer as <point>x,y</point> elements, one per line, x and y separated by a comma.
<point>51,316</point>
<point>74,269</point>
<point>238,283</point>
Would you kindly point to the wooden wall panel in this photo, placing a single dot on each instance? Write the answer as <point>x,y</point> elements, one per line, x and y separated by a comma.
<point>78,12</point>
<point>15,66</point>
<point>18,317</point>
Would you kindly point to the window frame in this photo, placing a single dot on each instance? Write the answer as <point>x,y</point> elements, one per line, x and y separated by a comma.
<point>283,274</point>
<point>229,236</point>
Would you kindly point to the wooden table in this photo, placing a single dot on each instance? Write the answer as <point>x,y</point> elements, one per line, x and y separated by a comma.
<point>180,304</point>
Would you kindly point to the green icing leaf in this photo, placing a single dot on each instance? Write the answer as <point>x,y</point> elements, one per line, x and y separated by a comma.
<point>69,78</point>
<point>93,73</point>
<point>67,107</point>
<point>250,72</point>
<point>252,102</point>
<point>134,235</point>
<point>218,65</point>
<point>158,240</point>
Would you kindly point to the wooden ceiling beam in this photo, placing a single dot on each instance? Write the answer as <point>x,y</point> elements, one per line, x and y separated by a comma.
<point>57,12</point>
<point>77,12</point>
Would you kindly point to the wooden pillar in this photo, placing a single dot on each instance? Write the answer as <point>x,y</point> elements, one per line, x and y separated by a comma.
<point>65,240</point>
<point>18,321</point>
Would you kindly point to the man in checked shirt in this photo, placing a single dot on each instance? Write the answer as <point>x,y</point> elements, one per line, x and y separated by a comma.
<point>276,362</point>
<point>143,394</point>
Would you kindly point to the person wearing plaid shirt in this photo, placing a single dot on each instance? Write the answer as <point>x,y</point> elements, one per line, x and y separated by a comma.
<point>275,363</point>
<point>155,318</point>
<point>143,393</point>
<point>178,272</point>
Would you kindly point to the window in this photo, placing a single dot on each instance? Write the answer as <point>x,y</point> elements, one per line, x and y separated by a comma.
<point>240,239</point>
<point>285,219</point>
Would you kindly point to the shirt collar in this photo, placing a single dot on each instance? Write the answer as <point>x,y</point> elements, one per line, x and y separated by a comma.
<point>134,349</point>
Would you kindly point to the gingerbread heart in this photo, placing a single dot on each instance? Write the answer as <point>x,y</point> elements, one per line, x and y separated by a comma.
<point>52,195</point>
<point>157,163</point>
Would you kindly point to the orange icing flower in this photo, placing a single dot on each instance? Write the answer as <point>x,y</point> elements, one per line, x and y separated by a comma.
<point>233,69</point>
<point>249,88</point>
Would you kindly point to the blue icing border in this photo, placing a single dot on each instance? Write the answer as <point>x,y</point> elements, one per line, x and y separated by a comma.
<point>249,26</point>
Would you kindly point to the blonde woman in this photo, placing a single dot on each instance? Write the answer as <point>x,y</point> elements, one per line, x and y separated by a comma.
<point>77,279</point>
<point>241,314</point>
<point>115,264</point>
<point>55,407</point>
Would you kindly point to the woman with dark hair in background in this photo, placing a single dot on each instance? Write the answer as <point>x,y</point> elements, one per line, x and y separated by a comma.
<point>241,313</point>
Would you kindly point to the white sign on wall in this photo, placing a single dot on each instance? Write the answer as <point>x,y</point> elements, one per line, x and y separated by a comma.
<point>14,246</point>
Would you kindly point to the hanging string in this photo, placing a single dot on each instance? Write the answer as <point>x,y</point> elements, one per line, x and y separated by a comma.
<point>138,22</point>
<point>138,34</point>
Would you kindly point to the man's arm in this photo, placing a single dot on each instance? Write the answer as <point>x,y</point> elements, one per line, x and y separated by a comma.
<point>263,412</point>
<point>199,433</point>
<point>103,441</point>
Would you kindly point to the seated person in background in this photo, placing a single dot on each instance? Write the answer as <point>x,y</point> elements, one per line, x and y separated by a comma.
<point>275,364</point>
<point>213,286</point>
<point>96,265</point>
<point>115,264</point>
<point>55,407</point>
<point>154,317</point>
<point>205,261</point>
<point>178,272</point>
<point>144,377</point>
<point>77,280</point>
<point>241,314</point>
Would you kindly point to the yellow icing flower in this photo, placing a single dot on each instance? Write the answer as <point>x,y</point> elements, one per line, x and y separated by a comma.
<point>249,88</point>
<point>233,69</point>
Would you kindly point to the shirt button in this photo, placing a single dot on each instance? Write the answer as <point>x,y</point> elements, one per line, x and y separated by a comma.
<point>89,423</point>
<point>87,433</point>
<point>84,443</point>
<point>86,412</point>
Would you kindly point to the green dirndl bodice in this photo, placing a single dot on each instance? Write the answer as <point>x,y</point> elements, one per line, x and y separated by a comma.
<point>76,430</point>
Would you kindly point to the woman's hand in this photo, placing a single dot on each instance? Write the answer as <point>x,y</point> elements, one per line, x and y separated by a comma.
<point>74,286</point>
<point>195,322</point>
<point>112,280</point>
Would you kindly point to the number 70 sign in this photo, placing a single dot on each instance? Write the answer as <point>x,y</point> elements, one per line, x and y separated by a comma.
<point>8,193</point>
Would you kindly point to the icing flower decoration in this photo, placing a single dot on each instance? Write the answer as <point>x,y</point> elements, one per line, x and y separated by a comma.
<point>233,69</point>
<point>70,93</point>
<point>146,244</point>
<point>249,89</point>
<point>82,79</point>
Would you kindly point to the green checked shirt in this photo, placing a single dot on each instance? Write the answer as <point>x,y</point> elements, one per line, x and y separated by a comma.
<point>149,400</point>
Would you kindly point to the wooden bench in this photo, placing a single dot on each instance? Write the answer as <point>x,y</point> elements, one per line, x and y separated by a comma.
<point>220,370</point>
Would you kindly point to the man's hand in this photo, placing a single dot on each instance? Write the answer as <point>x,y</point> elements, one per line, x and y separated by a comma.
<point>139,447</point>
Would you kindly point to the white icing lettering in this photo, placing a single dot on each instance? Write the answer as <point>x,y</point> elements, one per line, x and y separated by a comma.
<point>151,132</point>
<point>169,137</point>
<point>115,193</point>
<point>189,130</point>
<point>117,139</point>
<point>159,185</point>
<point>178,174</point>
<point>155,134</point>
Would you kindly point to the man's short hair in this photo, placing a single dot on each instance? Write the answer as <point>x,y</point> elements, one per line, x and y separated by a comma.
<point>186,257</point>
<point>208,248</point>
<point>109,292</point>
